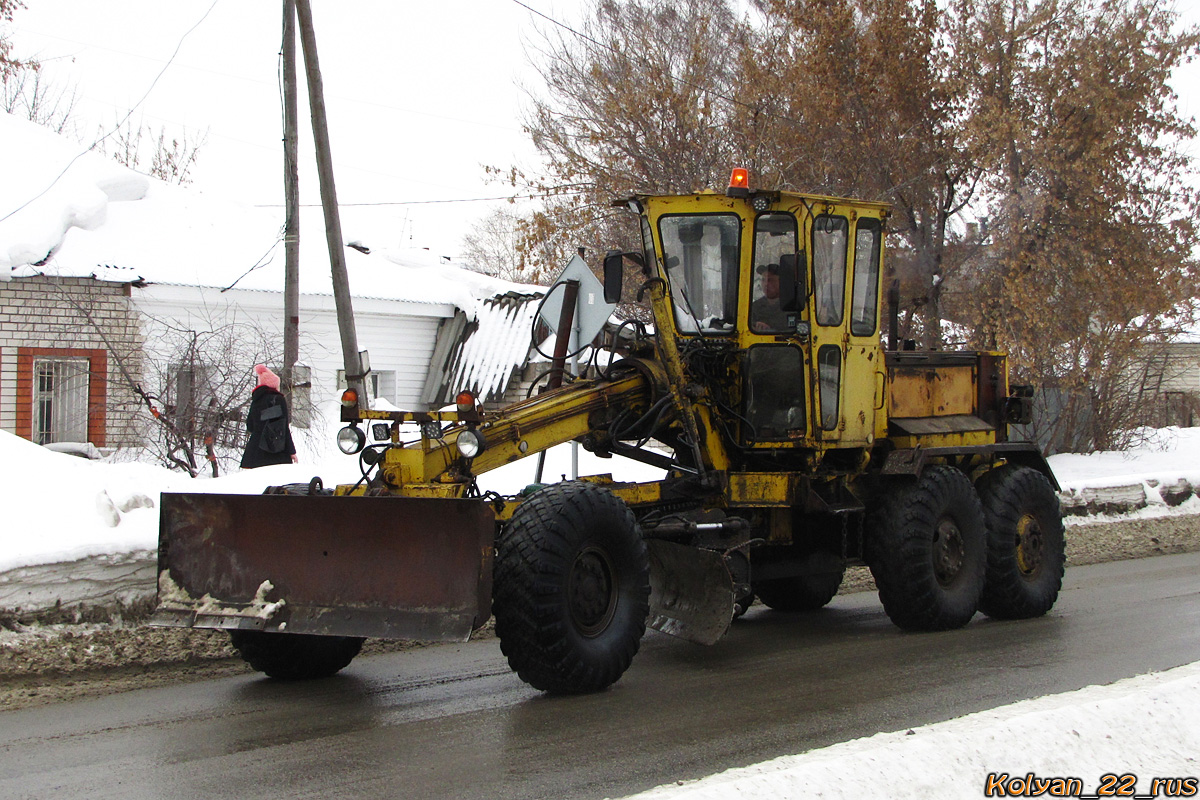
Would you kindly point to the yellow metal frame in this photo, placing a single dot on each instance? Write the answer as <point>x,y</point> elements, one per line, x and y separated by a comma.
<point>869,390</point>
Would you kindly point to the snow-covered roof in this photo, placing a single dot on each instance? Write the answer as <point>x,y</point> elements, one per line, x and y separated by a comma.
<point>66,211</point>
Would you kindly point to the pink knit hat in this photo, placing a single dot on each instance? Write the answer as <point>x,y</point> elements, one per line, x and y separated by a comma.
<point>266,377</point>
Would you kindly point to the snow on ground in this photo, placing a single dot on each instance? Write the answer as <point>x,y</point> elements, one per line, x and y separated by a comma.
<point>61,508</point>
<point>1165,455</point>
<point>1146,726</point>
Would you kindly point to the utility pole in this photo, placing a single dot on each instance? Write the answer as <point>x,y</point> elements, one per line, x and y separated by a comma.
<point>333,223</point>
<point>291,192</point>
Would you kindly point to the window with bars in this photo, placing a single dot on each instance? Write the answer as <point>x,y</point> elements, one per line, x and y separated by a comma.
<point>60,400</point>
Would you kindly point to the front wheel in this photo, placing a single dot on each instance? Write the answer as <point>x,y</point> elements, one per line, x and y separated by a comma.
<point>295,656</point>
<point>927,552</point>
<point>1026,547</point>
<point>572,588</point>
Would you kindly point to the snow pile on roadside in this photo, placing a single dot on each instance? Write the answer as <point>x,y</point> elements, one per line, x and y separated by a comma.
<point>1166,455</point>
<point>1146,726</point>
<point>1158,478</point>
<point>60,508</point>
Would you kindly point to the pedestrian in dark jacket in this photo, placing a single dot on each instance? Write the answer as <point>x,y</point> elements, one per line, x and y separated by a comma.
<point>269,424</point>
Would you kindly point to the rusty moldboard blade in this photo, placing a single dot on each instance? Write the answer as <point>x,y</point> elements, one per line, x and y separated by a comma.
<point>388,567</point>
<point>691,592</point>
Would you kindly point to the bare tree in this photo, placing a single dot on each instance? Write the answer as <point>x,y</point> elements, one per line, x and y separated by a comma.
<point>201,377</point>
<point>26,94</point>
<point>182,387</point>
<point>638,102</point>
<point>491,246</point>
<point>8,63</point>
<point>168,158</point>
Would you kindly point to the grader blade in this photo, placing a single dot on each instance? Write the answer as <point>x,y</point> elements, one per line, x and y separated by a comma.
<point>691,592</point>
<point>387,567</point>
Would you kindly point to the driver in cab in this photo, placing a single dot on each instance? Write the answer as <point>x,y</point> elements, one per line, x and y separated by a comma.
<point>766,313</point>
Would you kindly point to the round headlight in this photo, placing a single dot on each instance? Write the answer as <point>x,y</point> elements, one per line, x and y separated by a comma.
<point>351,439</point>
<point>470,443</point>
<point>760,203</point>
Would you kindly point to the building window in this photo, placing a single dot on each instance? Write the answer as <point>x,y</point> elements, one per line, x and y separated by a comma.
<point>60,400</point>
<point>61,394</point>
<point>381,385</point>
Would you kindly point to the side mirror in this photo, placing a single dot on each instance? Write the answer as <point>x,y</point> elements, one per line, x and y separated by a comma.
<point>793,281</point>
<point>614,276</point>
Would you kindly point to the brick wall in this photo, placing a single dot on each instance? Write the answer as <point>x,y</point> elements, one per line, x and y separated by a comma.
<point>75,317</point>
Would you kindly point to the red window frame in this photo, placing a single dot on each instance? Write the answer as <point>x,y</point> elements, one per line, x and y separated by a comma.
<point>97,388</point>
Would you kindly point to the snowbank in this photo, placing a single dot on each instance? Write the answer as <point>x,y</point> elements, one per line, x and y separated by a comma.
<point>1146,726</point>
<point>1166,455</point>
<point>61,508</point>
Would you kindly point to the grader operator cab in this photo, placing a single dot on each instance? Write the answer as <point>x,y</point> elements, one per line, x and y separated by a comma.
<point>792,444</point>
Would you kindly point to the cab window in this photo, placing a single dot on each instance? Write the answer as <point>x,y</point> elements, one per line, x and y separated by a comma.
<point>864,303</point>
<point>830,236</point>
<point>648,245</point>
<point>774,236</point>
<point>700,253</point>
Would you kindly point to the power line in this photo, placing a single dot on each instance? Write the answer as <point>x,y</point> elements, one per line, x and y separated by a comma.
<point>684,81</point>
<point>261,82</point>
<point>124,119</point>
<point>427,202</point>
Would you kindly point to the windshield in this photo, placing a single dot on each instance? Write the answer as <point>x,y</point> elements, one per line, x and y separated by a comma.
<point>700,252</point>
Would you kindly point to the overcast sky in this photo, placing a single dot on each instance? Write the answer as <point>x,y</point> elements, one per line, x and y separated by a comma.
<point>420,95</point>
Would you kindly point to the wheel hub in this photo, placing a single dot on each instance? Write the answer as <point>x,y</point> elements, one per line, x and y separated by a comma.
<point>1030,546</point>
<point>949,551</point>
<point>591,591</point>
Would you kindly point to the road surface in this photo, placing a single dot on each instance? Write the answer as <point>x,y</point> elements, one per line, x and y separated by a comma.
<point>452,721</point>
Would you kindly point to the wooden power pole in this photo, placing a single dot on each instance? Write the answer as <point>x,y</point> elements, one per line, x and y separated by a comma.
<point>291,191</point>
<point>333,223</point>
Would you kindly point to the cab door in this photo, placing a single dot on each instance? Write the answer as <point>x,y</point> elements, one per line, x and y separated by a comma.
<point>847,356</point>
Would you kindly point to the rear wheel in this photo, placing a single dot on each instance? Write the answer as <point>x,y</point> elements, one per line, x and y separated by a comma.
<point>821,578</point>
<point>295,656</point>
<point>571,590</point>
<point>1026,548</point>
<point>928,552</point>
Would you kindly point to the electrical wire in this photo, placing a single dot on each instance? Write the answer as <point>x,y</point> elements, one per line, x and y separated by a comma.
<point>124,119</point>
<point>705,89</point>
<point>511,197</point>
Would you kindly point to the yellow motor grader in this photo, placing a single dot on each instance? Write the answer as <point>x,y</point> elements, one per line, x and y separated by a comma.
<point>792,444</point>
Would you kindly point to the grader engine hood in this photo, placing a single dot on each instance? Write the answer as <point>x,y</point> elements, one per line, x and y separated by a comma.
<point>388,567</point>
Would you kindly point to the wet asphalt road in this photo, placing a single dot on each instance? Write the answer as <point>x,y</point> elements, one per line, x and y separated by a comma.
<point>453,722</point>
